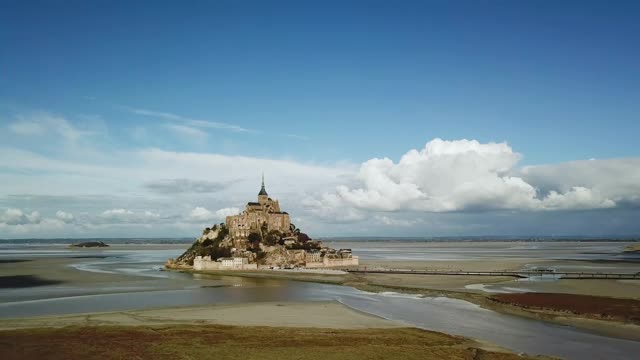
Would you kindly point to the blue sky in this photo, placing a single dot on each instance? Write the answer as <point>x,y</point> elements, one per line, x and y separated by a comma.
<point>327,85</point>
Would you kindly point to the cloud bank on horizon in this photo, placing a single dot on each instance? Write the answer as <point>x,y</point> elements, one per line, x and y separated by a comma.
<point>445,188</point>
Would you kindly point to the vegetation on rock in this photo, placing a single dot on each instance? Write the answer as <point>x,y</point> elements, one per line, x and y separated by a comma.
<point>262,246</point>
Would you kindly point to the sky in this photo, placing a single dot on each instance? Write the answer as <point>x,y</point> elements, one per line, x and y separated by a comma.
<point>425,118</point>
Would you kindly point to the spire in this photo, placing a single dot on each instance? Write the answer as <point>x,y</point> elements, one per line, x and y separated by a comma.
<point>262,189</point>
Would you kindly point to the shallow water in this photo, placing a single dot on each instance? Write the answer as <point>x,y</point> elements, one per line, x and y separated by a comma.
<point>150,288</point>
<point>606,252</point>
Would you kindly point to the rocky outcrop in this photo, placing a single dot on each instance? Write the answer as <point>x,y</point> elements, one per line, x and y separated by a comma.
<point>280,256</point>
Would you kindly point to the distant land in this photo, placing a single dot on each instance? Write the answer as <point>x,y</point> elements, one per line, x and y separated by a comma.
<point>479,238</point>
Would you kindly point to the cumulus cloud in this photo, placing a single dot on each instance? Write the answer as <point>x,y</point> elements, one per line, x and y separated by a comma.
<point>16,221</point>
<point>466,175</point>
<point>14,216</point>
<point>122,215</point>
<point>201,214</point>
<point>223,213</point>
<point>117,213</point>
<point>447,179</point>
<point>617,180</point>
<point>175,186</point>
<point>330,208</point>
<point>65,216</point>
<point>387,220</point>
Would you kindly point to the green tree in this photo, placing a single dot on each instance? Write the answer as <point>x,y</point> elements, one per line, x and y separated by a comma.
<point>254,237</point>
<point>273,237</point>
<point>303,238</point>
<point>207,242</point>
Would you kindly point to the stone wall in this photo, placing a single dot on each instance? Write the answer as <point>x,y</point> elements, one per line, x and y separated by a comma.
<point>205,263</point>
<point>333,262</point>
<point>351,261</point>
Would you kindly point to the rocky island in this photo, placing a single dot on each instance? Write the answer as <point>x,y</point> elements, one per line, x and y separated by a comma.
<point>261,237</point>
<point>89,244</point>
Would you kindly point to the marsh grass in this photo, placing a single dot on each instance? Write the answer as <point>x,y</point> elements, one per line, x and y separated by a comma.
<point>233,342</point>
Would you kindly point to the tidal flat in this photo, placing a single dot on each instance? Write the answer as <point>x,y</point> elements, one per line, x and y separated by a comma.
<point>128,279</point>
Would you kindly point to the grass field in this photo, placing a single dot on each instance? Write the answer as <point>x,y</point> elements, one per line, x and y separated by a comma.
<point>627,310</point>
<point>234,342</point>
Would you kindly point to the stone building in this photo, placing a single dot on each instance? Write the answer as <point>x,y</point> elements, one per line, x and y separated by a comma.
<point>231,263</point>
<point>257,214</point>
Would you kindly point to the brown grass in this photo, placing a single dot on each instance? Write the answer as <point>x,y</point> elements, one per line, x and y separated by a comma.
<point>583,305</point>
<point>232,342</point>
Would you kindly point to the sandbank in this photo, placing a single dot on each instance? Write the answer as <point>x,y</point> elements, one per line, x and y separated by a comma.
<point>331,315</point>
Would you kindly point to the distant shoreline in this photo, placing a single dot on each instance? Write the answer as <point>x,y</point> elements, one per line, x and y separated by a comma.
<point>479,239</point>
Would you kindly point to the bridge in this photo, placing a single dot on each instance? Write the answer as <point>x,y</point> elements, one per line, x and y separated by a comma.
<point>517,274</point>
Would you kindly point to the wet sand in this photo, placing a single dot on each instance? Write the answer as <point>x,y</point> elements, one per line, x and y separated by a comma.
<point>282,314</point>
<point>613,288</point>
<point>57,269</point>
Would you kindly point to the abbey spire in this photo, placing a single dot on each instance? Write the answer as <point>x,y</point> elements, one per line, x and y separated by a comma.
<point>262,189</point>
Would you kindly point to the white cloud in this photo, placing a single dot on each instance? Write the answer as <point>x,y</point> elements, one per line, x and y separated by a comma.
<point>126,216</point>
<point>117,213</point>
<point>443,177</point>
<point>18,222</point>
<point>189,121</point>
<point>201,214</point>
<point>450,176</point>
<point>223,213</point>
<point>65,216</point>
<point>42,123</point>
<point>617,180</point>
<point>28,128</point>
<point>187,131</point>
<point>331,209</point>
<point>13,216</point>
<point>386,220</point>
<point>150,214</point>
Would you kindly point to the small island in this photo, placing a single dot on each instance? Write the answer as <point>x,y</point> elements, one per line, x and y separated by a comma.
<point>89,244</point>
<point>261,237</point>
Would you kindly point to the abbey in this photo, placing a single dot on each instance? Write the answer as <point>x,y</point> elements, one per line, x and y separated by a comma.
<point>265,212</point>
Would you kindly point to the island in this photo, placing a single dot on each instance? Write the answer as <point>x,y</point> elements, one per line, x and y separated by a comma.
<point>89,244</point>
<point>261,237</point>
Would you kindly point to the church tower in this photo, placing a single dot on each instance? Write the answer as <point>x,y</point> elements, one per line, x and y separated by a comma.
<point>263,197</point>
